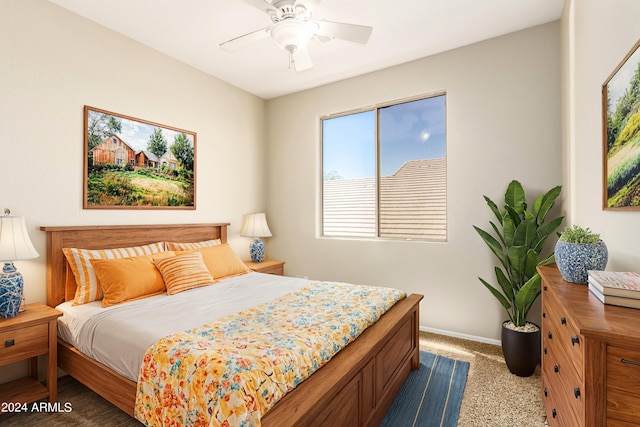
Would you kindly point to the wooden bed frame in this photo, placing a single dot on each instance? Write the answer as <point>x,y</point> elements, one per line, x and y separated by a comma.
<point>354,389</point>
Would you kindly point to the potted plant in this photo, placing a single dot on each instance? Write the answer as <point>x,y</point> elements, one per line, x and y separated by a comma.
<point>578,250</point>
<point>520,235</point>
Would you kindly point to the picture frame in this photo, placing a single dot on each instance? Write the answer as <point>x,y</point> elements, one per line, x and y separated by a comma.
<point>621,135</point>
<point>131,163</point>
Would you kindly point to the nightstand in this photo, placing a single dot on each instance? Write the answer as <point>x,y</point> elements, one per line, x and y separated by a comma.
<point>268,266</point>
<point>26,336</point>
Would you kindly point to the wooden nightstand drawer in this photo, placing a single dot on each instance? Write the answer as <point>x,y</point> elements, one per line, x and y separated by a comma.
<point>25,337</point>
<point>268,266</point>
<point>23,343</point>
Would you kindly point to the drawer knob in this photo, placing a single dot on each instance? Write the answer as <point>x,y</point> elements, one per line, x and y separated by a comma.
<point>549,335</point>
<point>10,343</point>
<point>544,287</point>
<point>556,368</point>
<point>575,340</point>
<point>544,315</point>
<point>545,392</point>
<point>576,392</point>
<point>630,362</point>
<point>563,320</point>
<point>545,350</point>
<point>554,413</point>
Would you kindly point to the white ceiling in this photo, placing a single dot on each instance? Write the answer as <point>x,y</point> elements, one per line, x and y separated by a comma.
<point>403,30</point>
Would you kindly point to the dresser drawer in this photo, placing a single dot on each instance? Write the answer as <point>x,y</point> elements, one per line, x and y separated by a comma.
<point>23,343</point>
<point>617,423</point>
<point>562,380</point>
<point>623,384</point>
<point>561,333</point>
<point>558,414</point>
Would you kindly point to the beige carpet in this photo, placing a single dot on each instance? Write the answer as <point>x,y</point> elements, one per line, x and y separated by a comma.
<point>492,398</point>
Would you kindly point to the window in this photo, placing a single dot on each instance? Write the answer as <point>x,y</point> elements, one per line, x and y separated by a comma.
<point>384,172</point>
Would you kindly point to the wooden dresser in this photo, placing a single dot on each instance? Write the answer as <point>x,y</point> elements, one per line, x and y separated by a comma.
<point>590,357</point>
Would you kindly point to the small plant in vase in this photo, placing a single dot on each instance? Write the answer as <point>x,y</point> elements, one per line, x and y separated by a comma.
<point>579,250</point>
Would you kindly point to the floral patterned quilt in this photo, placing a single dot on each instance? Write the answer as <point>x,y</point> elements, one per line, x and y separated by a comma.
<point>231,371</point>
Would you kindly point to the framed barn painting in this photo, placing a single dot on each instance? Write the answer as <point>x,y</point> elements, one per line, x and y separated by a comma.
<point>131,163</point>
<point>621,135</point>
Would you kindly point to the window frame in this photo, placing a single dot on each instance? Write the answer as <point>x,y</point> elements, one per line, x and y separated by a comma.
<point>376,110</point>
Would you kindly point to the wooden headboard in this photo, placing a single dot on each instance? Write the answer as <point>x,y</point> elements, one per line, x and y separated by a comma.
<point>112,236</point>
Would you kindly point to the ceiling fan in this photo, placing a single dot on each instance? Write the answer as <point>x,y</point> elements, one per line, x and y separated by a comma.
<point>293,28</point>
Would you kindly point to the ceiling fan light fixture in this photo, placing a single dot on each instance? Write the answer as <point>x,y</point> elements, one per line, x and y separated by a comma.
<point>291,35</point>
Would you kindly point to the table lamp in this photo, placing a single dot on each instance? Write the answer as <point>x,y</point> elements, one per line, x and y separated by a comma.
<point>14,245</point>
<point>255,225</point>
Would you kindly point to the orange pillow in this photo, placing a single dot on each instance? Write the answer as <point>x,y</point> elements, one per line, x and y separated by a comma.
<point>128,279</point>
<point>222,261</point>
<point>88,289</point>
<point>189,246</point>
<point>183,272</point>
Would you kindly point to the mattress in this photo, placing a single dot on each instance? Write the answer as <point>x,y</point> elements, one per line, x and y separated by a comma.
<point>118,336</point>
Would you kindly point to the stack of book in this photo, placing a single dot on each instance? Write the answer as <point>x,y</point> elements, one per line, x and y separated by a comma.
<point>616,287</point>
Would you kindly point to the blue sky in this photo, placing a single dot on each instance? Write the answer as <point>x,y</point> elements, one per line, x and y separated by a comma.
<point>136,134</point>
<point>622,80</point>
<point>408,131</point>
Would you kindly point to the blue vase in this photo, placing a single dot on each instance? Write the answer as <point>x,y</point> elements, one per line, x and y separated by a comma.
<point>257,250</point>
<point>574,259</point>
<point>10,291</point>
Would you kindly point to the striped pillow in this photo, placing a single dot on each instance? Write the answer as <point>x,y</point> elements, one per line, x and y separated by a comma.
<point>87,287</point>
<point>183,272</point>
<point>190,246</point>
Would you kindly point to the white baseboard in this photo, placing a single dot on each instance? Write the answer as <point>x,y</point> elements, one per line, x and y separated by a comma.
<point>462,336</point>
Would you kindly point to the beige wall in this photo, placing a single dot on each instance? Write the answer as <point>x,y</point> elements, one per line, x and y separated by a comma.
<point>597,35</point>
<point>53,63</point>
<point>503,123</point>
<point>506,98</point>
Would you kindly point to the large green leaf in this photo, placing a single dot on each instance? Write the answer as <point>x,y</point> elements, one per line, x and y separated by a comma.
<point>528,293</point>
<point>514,197</point>
<point>517,256</point>
<point>525,233</point>
<point>493,244</point>
<point>545,231</point>
<point>496,293</point>
<point>498,232</point>
<point>531,263</point>
<point>505,283</point>
<point>508,230</point>
<point>544,203</point>
<point>494,208</point>
<point>515,216</point>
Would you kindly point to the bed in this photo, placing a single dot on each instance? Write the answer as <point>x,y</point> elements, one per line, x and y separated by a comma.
<point>355,388</point>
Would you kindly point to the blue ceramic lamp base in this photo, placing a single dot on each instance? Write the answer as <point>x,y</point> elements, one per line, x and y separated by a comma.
<point>11,286</point>
<point>257,250</point>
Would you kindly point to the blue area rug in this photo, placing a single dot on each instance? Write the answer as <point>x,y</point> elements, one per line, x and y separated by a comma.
<point>431,396</point>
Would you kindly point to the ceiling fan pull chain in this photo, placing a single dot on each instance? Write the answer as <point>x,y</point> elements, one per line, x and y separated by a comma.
<point>292,62</point>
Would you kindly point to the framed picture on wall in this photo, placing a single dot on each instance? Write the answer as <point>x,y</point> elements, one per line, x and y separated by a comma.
<point>621,135</point>
<point>131,163</point>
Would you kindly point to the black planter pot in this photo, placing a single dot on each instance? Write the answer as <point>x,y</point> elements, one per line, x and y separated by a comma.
<point>521,350</point>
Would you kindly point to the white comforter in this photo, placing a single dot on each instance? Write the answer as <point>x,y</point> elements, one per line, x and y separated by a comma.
<point>118,336</point>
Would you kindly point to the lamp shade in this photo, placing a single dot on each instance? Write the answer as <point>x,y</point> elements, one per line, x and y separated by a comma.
<point>255,225</point>
<point>14,239</point>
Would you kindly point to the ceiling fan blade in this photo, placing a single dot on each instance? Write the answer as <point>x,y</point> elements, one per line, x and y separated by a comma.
<point>262,5</point>
<point>350,32</point>
<point>302,59</point>
<point>245,40</point>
